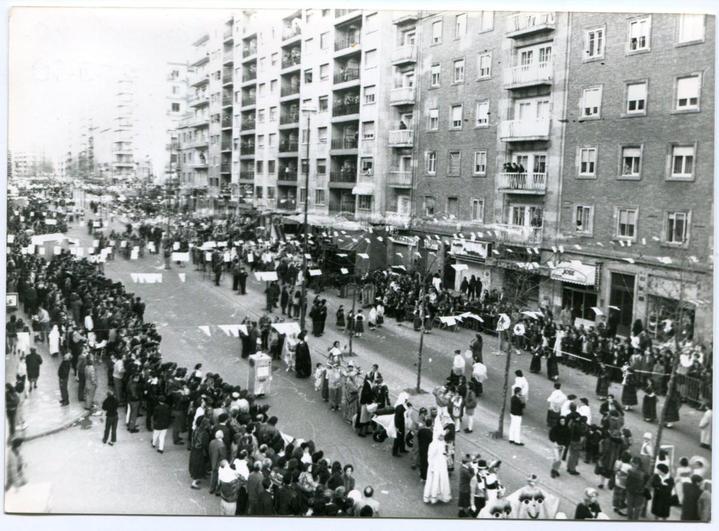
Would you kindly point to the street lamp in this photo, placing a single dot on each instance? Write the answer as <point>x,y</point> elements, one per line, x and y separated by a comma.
<point>308,111</point>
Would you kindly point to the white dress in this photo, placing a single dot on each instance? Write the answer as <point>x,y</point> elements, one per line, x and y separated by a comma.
<point>437,487</point>
<point>54,340</point>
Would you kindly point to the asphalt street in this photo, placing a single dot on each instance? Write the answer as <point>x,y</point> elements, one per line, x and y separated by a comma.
<point>131,478</point>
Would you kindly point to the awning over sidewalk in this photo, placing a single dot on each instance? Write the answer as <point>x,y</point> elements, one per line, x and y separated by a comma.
<point>575,272</point>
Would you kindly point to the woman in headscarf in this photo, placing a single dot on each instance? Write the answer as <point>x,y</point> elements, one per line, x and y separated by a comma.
<point>303,361</point>
<point>340,318</point>
<point>629,388</point>
<point>228,488</point>
<point>400,410</point>
<point>350,393</point>
<point>663,485</point>
<point>649,403</point>
<point>437,487</point>
<point>366,400</point>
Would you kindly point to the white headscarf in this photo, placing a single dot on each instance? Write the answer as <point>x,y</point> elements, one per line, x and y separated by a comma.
<point>402,399</point>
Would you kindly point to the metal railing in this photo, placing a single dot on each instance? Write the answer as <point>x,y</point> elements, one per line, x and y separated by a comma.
<point>247,173</point>
<point>347,74</point>
<point>527,182</point>
<point>343,176</point>
<point>532,73</point>
<point>249,76</point>
<point>290,118</point>
<point>226,167</point>
<point>288,175</point>
<point>345,143</point>
<point>346,42</point>
<point>523,22</point>
<point>248,124</point>
<point>289,33</point>
<point>246,52</point>
<point>247,149</point>
<point>289,91</point>
<point>289,61</point>
<point>508,233</point>
<point>249,100</point>
<point>227,101</point>
<point>342,109</point>
<point>399,178</point>
<point>288,146</point>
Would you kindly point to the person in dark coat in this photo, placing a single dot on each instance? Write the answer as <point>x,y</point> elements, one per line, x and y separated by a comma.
<point>254,489</point>
<point>672,409</point>
<point>603,381</point>
<point>284,300</point>
<point>303,361</point>
<point>33,362</point>
<point>340,318</point>
<point>535,366</point>
<point>109,406</point>
<point>424,439</point>
<point>161,419</point>
<point>662,484</point>
<point>690,501</point>
<point>63,373</point>
<point>315,317</point>
<point>398,447</point>
<point>323,315</point>
<point>629,389</point>
<point>243,281</point>
<point>588,508</point>
<point>649,404</point>
<point>476,347</point>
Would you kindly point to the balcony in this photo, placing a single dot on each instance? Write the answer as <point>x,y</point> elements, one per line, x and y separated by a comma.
<point>402,96</point>
<point>290,61</point>
<point>227,101</point>
<point>531,74</point>
<point>249,52</point>
<point>290,33</point>
<point>518,234</point>
<point>339,13</point>
<point>248,124</point>
<point>247,175</point>
<point>288,146</point>
<point>249,100</point>
<point>227,35</point>
<point>404,54</point>
<point>227,122</point>
<point>343,109</point>
<point>291,118</point>
<point>523,24</point>
<point>226,146</point>
<point>286,203</point>
<point>347,43</point>
<point>344,176</point>
<point>524,130</point>
<point>347,74</point>
<point>199,99</point>
<point>290,91</point>
<point>249,76</point>
<point>288,175</point>
<point>401,138</point>
<point>345,143</point>
<point>523,183</point>
<point>226,167</point>
<point>399,179</point>
<point>228,57</point>
<point>199,164</point>
<point>247,149</point>
<point>200,79</point>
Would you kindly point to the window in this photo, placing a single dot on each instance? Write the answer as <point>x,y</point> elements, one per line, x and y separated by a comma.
<point>261,116</point>
<point>486,20</point>
<point>324,103</point>
<point>304,166</point>
<point>626,223</point>
<point>274,58</point>
<point>367,130</point>
<point>688,90</point>
<point>273,114</point>
<point>484,65</point>
<point>691,28</point>
<point>258,192</point>
<point>482,114</point>
<point>321,166</point>
<point>260,141</point>
<point>434,73</point>
<point>326,13</point>
<point>453,207</point>
<point>676,227</point>
<point>175,107</point>
<point>324,72</point>
<point>436,32</point>
<point>408,37</point>
<point>270,192</point>
<point>369,94</point>
<point>271,167</point>
<point>594,43</point>
<point>273,86</point>
<point>477,209</point>
<point>639,30</point>
<point>429,205</point>
<point>433,120</point>
<point>583,219</point>
<point>322,135</point>
<point>364,202</point>
<point>308,45</point>
<point>459,71</point>
<point>430,162</point>
<point>370,59</point>
<point>455,117</point>
<point>367,166</point>
<point>637,98</point>
<point>592,102</point>
<point>682,162</point>
<point>260,167</point>
<point>319,197</point>
<point>631,161</point>
<point>304,133</point>
<point>460,25</point>
<point>370,22</point>
<point>272,139</point>
<point>324,40</point>
<point>261,90</point>
<point>261,64</point>
<point>587,161</point>
<point>308,76</point>
<point>480,163</point>
<point>455,163</point>
<point>306,104</point>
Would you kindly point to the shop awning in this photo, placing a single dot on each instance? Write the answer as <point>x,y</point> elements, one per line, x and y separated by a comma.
<point>363,189</point>
<point>575,272</point>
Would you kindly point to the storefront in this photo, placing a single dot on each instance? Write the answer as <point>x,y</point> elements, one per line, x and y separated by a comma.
<point>401,251</point>
<point>670,301</point>
<point>469,260</point>
<point>621,298</point>
<point>579,288</point>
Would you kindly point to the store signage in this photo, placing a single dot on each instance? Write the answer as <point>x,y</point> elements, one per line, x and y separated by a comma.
<point>469,248</point>
<point>575,272</point>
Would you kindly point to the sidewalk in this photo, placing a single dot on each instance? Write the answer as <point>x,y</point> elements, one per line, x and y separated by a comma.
<point>41,409</point>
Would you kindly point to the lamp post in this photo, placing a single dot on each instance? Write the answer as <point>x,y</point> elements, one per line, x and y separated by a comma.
<point>303,309</point>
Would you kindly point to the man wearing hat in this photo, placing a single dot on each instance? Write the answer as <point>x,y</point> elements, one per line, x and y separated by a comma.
<point>466,477</point>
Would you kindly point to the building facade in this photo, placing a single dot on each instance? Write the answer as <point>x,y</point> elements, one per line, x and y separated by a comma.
<point>560,147</point>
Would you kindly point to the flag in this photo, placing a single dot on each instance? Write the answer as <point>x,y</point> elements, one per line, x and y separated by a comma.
<point>182,276</point>
<point>205,329</point>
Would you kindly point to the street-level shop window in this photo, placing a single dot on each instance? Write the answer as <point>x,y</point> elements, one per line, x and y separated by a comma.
<point>364,202</point>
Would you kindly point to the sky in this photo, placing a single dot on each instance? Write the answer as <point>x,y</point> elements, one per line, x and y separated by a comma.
<point>64,64</point>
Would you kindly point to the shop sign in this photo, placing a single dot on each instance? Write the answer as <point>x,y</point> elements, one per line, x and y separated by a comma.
<point>575,272</point>
<point>470,248</point>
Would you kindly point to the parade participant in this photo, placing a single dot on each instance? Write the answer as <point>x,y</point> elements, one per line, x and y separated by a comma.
<point>521,382</point>
<point>629,388</point>
<point>303,361</point>
<point>334,383</point>
<point>400,409</point>
<point>516,411</point>
<point>690,499</point>
<point>532,502</point>
<point>588,508</point>
<point>161,418</point>
<point>559,435</point>
<point>556,400</point>
<point>90,373</point>
<point>662,485</point>
<point>32,362</point>
<point>476,347</point>
<point>437,487</point>
<point>359,323</point>
<point>603,381</point>
<point>705,425</point>
<point>636,489</point>
<point>63,374</point>
<point>340,318</point>
<point>470,403</point>
<point>467,476</point>
<point>109,406</point>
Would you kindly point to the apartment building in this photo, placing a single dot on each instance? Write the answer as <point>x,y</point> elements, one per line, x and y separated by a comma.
<point>123,149</point>
<point>550,141</point>
<point>638,167</point>
<point>175,110</point>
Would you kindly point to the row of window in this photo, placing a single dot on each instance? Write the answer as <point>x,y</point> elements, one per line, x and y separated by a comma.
<point>364,202</point>
<point>675,224</point>
<point>483,69</point>
<point>690,29</point>
<point>454,163</point>
<point>484,19</point>
<point>680,166</point>
<point>687,97</point>
<point>456,116</point>
<point>476,207</point>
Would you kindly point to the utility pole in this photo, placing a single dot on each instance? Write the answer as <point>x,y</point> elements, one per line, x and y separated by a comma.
<point>303,309</point>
